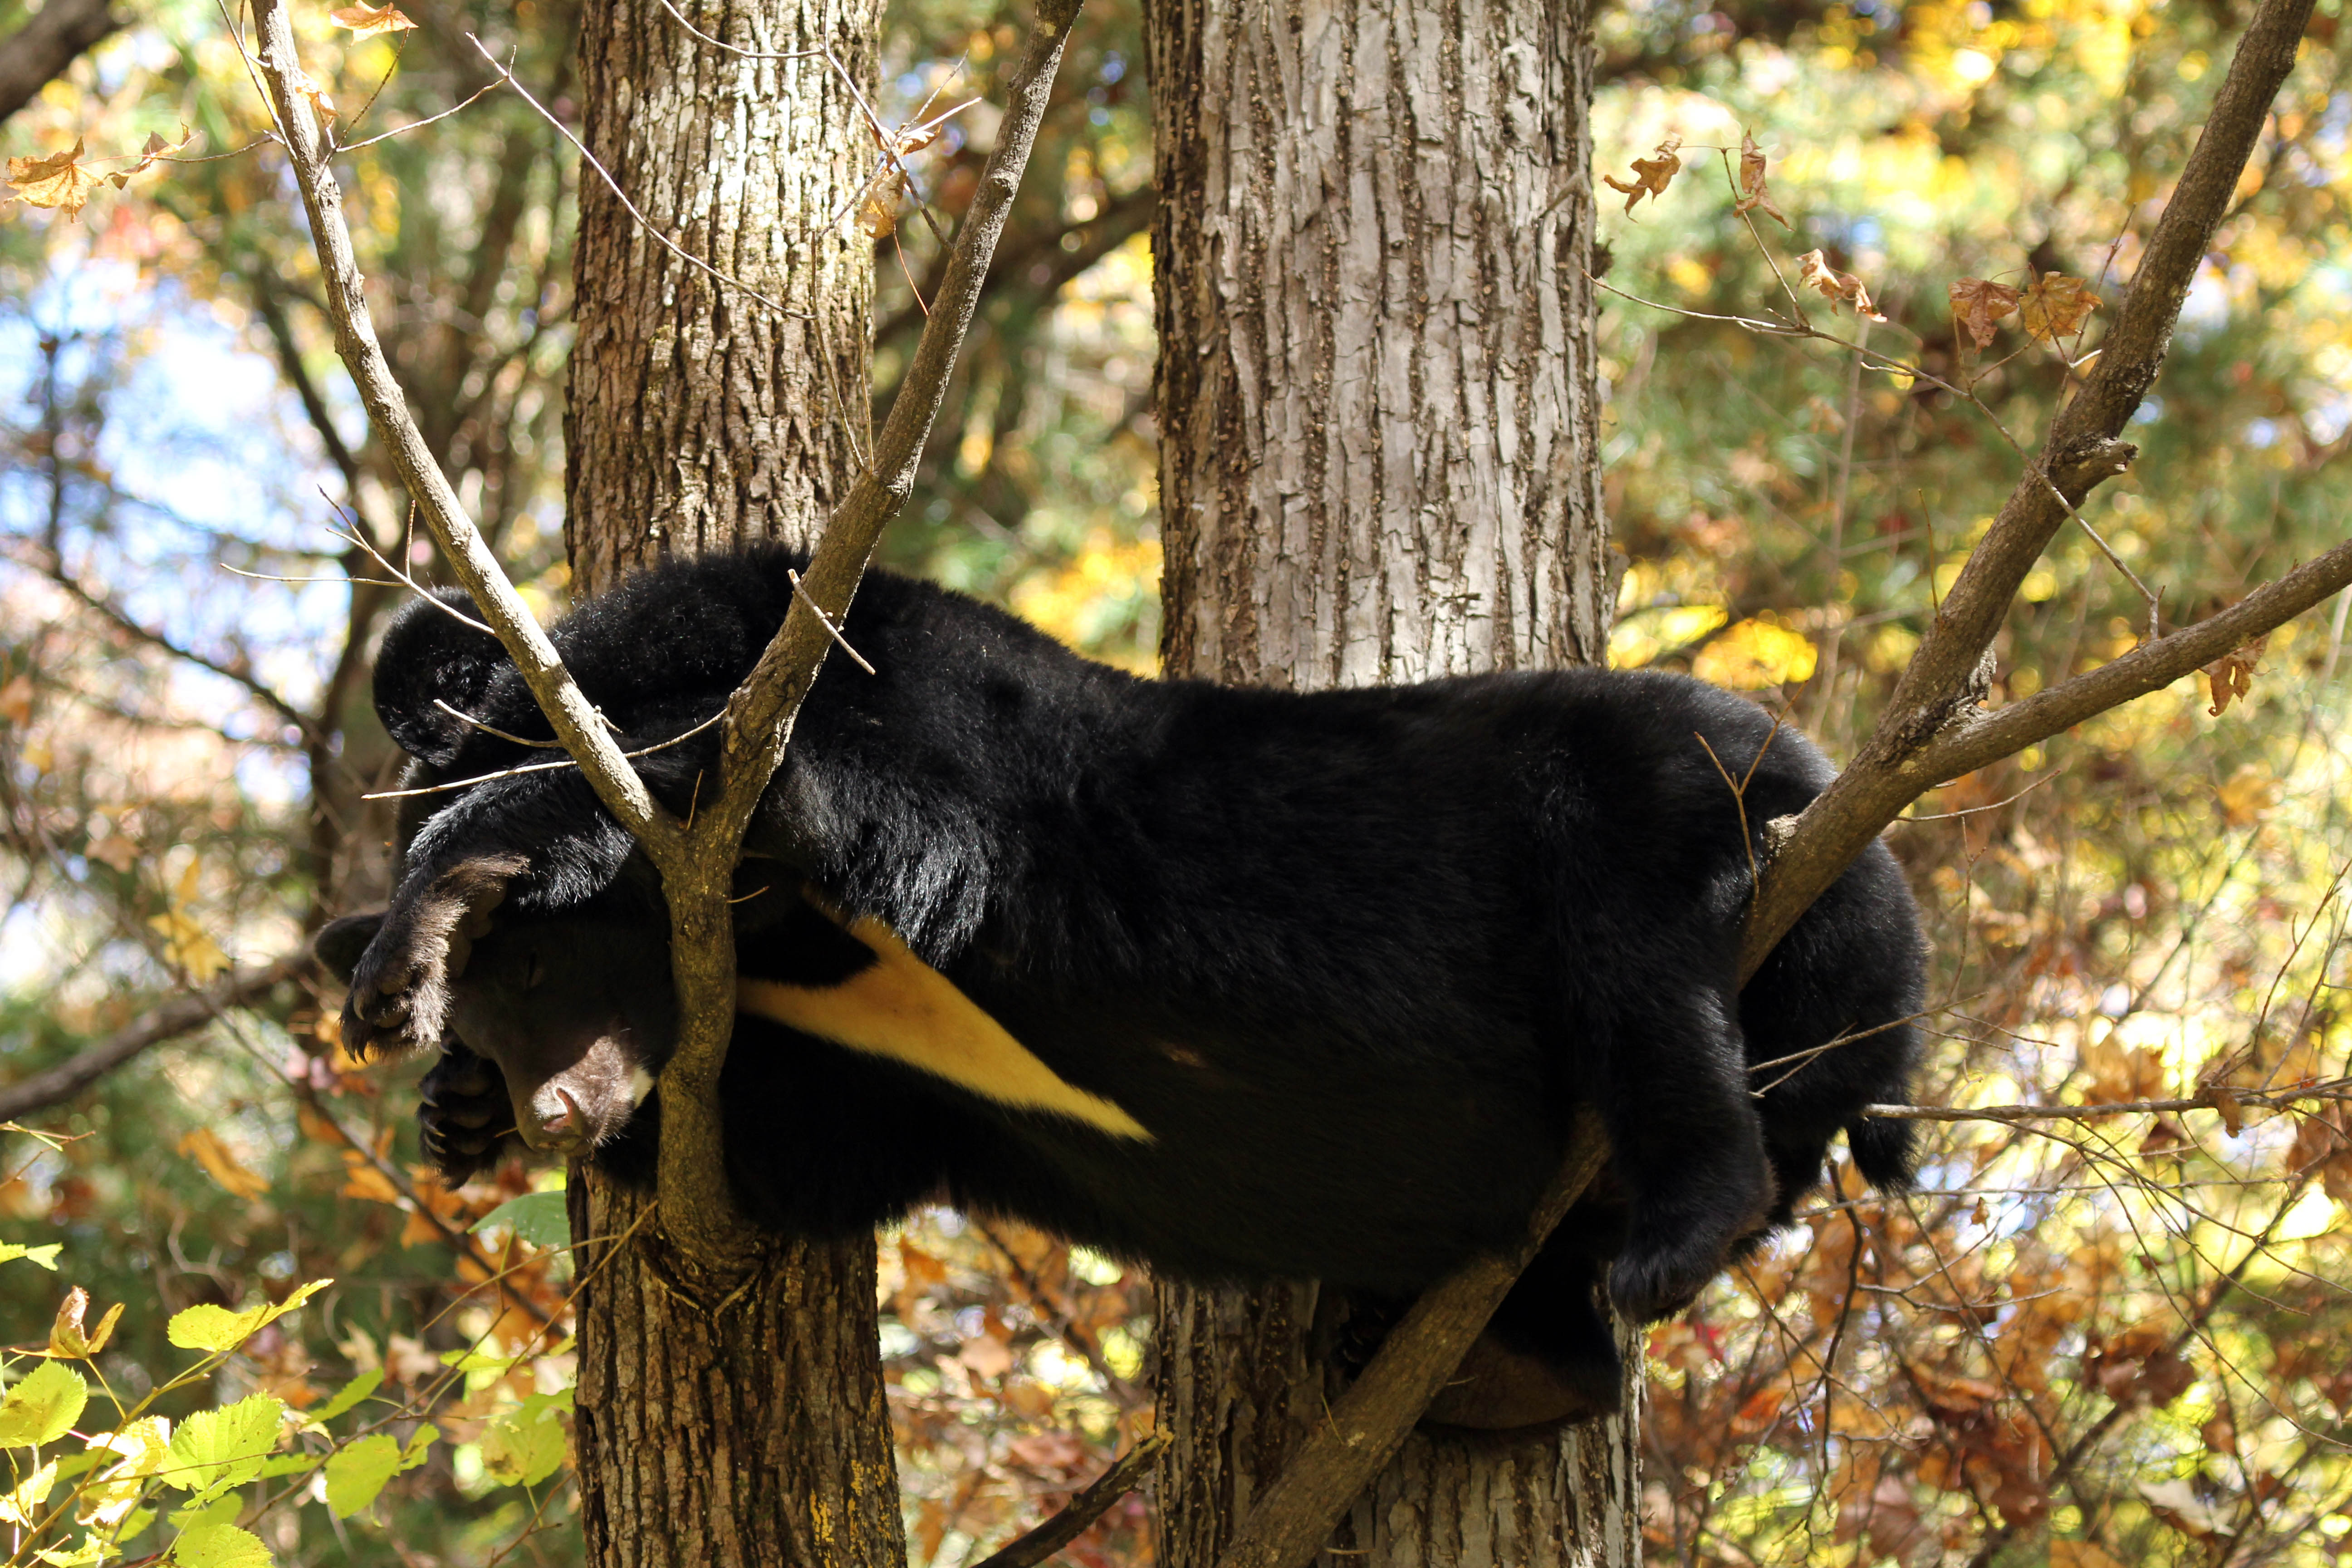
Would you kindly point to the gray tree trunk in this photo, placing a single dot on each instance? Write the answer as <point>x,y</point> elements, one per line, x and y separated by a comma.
<point>715,1431</point>
<point>1380,462</point>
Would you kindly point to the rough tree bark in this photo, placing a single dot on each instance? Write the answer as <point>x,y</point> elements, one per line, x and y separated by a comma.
<point>753,1435</point>
<point>1380,462</point>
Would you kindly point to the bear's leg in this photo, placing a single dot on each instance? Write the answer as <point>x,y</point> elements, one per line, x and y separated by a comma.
<point>1686,1146</point>
<point>1549,1355</point>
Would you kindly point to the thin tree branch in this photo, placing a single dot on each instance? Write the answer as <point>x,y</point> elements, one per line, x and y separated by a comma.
<point>1032,1547</point>
<point>181,1016</point>
<point>308,145</point>
<point>1946,677</point>
<point>1291,1522</point>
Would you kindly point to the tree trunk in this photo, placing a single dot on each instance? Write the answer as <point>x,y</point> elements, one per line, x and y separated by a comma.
<point>1380,462</point>
<point>716,1430</point>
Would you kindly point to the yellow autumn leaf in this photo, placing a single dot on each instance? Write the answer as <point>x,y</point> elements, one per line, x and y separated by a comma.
<point>1755,654</point>
<point>2056,306</point>
<point>58,180</point>
<point>206,1148</point>
<point>367,21</point>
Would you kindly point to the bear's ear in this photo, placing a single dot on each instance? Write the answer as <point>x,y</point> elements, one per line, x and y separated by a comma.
<point>339,944</point>
<point>430,656</point>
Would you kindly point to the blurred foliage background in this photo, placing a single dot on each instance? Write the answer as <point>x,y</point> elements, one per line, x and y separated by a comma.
<point>2111,1339</point>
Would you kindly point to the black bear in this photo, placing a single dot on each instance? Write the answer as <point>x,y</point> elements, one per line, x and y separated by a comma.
<point>1248,985</point>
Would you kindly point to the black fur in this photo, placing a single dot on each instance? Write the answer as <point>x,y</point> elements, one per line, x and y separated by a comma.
<point>1353,958</point>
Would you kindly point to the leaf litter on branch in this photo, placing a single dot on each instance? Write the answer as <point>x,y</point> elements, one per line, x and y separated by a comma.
<point>1651,174</point>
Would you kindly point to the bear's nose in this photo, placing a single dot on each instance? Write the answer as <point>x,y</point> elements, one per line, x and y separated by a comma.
<point>562,1129</point>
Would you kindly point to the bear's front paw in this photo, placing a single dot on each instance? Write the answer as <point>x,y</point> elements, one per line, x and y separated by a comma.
<point>467,1118</point>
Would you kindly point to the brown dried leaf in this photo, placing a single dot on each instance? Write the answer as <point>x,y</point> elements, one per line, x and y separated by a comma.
<point>878,209</point>
<point>1978,303</point>
<point>1752,193</point>
<point>2232,674</point>
<point>367,21</point>
<point>58,180</point>
<point>67,1336</point>
<point>1651,176</point>
<point>2056,306</point>
<point>16,700</point>
<point>1814,271</point>
<point>2080,1554</point>
<point>156,147</point>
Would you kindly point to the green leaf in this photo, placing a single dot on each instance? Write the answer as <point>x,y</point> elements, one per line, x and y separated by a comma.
<point>288,1465</point>
<point>422,1438</point>
<point>539,1219</point>
<point>209,1511</point>
<point>23,1506</point>
<point>355,1474</point>
<point>220,1546</point>
<point>43,1407</point>
<point>524,1446</point>
<point>349,1395</point>
<point>215,1450</point>
<point>47,1257</point>
<point>217,1329</point>
<point>91,1551</point>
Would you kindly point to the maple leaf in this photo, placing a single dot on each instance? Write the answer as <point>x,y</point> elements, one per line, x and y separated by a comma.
<point>1814,271</point>
<point>58,180</point>
<point>1752,193</point>
<point>1651,176</point>
<point>1978,303</point>
<point>2056,307</point>
<point>367,21</point>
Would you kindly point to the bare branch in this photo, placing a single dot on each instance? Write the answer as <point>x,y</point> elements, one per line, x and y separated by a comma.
<point>1944,680</point>
<point>308,146</point>
<point>1027,1550</point>
<point>181,1016</point>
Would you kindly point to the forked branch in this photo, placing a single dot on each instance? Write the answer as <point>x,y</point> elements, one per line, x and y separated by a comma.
<point>696,858</point>
<point>1929,732</point>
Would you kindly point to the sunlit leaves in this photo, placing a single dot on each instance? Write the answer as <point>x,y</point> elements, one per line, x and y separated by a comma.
<point>2056,306</point>
<point>187,946</point>
<point>42,1406</point>
<point>217,1329</point>
<point>203,1145</point>
<point>214,1450</point>
<point>1651,174</point>
<point>220,1546</point>
<point>45,1254</point>
<point>57,181</point>
<point>144,1448</point>
<point>523,1447</point>
<point>539,1219</point>
<point>69,1337</point>
<point>368,21</point>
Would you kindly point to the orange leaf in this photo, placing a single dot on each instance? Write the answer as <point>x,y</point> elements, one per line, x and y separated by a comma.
<point>1978,303</point>
<point>1814,271</point>
<point>2232,674</point>
<point>1651,176</point>
<point>16,700</point>
<point>1752,193</point>
<point>221,1166</point>
<point>2055,307</point>
<point>367,21</point>
<point>59,181</point>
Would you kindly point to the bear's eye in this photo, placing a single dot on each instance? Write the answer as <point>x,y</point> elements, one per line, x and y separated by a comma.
<point>534,972</point>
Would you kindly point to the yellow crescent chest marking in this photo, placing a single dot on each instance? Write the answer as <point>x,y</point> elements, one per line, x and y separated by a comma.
<point>902,1009</point>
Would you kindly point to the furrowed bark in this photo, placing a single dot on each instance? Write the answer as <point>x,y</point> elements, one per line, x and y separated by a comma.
<point>1378,462</point>
<point>1916,745</point>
